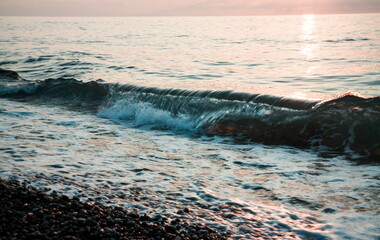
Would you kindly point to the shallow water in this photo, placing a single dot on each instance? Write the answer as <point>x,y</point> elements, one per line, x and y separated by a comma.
<point>269,190</point>
<point>158,150</point>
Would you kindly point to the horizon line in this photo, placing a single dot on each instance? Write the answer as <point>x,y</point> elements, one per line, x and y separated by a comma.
<point>232,15</point>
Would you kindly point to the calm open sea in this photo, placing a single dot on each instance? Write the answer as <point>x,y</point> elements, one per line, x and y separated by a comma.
<point>259,125</point>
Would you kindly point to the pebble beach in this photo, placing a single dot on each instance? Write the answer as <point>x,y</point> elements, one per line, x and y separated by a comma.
<point>29,213</point>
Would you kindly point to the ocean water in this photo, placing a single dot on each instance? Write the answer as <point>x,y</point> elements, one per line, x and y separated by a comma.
<point>261,126</point>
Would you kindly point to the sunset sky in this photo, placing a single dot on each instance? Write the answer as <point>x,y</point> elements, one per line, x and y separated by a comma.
<point>182,7</point>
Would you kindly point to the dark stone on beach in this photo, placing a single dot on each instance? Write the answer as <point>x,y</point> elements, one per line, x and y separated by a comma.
<point>170,229</point>
<point>28,213</point>
<point>130,224</point>
<point>329,210</point>
<point>180,212</point>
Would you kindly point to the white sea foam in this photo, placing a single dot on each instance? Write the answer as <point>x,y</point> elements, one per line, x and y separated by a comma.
<point>142,113</point>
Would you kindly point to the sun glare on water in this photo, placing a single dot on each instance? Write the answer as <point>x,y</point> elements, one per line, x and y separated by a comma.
<point>308,35</point>
<point>310,44</point>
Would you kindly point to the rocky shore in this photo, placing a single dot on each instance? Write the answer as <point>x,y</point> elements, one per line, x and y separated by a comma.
<point>28,213</point>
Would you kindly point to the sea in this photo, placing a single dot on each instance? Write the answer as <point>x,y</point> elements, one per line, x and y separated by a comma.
<point>262,127</point>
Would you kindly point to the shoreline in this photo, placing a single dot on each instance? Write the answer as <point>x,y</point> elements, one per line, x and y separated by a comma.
<point>27,212</point>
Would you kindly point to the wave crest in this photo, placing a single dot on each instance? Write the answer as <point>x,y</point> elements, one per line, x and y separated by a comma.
<point>346,123</point>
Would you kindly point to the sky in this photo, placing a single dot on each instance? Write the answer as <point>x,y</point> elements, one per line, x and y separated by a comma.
<point>183,7</point>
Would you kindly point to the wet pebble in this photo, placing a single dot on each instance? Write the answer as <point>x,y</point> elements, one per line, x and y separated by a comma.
<point>28,213</point>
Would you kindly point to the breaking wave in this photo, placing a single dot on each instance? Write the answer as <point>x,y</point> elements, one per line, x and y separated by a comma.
<point>347,123</point>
